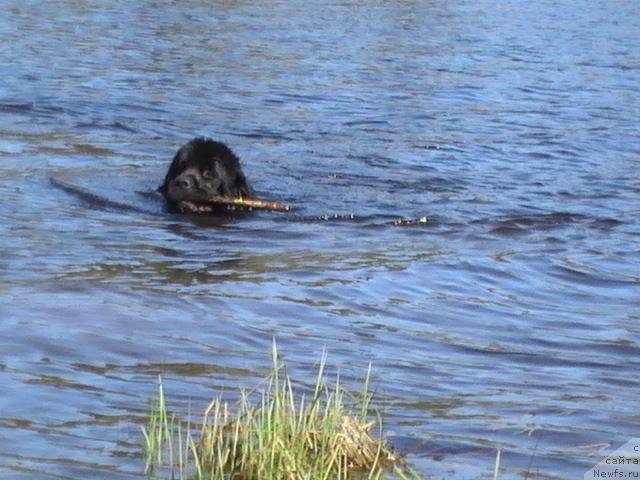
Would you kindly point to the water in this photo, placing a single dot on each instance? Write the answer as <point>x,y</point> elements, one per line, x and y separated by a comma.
<point>510,321</point>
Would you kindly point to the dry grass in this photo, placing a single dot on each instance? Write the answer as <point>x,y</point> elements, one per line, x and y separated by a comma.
<point>328,434</point>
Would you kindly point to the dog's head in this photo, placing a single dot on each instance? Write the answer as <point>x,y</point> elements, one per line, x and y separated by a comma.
<point>203,169</point>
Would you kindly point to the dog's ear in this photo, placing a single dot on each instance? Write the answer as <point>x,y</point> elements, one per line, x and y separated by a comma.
<point>177,165</point>
<point>241,186</point>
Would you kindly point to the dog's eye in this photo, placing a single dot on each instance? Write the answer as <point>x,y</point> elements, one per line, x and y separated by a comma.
<point>207,174</point>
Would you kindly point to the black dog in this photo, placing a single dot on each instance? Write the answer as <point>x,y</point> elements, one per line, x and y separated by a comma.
<point>205,177</point>
<point>202,169</point>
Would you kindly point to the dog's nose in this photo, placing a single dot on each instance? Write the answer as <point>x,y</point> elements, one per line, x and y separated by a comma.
<point>186,182</point>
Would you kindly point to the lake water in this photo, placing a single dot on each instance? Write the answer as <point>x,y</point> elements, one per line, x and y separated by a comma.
<point>510,321</point>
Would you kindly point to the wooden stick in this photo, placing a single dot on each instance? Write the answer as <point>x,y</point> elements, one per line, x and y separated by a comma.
<point>411,221</point>
<point>255,203</point>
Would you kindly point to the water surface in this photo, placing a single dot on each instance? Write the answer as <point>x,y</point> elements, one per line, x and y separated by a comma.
<point>510,321</point>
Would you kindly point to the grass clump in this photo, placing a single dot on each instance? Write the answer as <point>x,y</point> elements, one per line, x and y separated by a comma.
<point>327,434</point>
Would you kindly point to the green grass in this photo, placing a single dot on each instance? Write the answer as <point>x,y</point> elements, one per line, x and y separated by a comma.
<point>327,434</point>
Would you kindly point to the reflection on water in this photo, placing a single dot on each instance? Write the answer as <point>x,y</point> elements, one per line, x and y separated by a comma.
<point>509,321</point>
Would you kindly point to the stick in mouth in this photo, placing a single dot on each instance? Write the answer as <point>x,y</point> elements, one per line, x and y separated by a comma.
<point>252,203</point>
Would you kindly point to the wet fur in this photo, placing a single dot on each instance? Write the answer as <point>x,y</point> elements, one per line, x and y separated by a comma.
<point>203,168</point>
